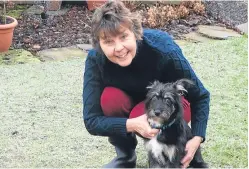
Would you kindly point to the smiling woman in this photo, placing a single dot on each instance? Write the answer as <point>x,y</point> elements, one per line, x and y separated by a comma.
<point>125,60</point>
<point>112,20</point>
<point>115,31</point>
<point>119,49</point>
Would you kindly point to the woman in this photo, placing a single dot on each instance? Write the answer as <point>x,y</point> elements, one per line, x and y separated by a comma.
<point>124,61</point>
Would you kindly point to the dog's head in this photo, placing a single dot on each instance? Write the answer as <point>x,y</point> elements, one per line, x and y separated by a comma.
<point>163,103</point>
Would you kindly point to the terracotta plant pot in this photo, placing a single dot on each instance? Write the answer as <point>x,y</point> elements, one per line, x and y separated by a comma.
<point>6,34</point>
<point>91,4</point>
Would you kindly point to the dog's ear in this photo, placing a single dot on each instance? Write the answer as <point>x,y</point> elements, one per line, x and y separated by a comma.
<point>155,83</point>
<point>183,85</point>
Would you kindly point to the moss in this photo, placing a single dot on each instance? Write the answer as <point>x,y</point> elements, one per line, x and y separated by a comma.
<point>17,56</point>
<point>15,13</point>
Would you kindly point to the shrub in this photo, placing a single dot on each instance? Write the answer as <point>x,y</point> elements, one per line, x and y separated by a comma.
<point>159,14</point>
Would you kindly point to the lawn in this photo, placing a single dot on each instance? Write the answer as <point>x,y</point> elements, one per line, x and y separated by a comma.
<point>41,111</point>
<point>223,68</point>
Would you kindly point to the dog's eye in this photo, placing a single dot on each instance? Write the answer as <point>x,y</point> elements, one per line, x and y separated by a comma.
<point>168,101</point>
<point>155,94</point>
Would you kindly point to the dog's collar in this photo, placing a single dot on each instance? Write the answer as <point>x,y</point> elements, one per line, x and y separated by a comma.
<point>165,126</point>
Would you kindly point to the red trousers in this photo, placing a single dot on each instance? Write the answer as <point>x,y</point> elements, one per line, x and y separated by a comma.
<point>116,103</point>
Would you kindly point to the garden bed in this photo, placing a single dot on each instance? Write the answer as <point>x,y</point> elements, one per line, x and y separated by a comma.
<point>35,34</point>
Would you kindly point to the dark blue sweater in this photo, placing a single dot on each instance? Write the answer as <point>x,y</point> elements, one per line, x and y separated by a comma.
<point>157,57</point>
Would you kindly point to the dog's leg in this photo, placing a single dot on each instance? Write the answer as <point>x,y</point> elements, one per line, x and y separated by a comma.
<point>198,161</point>
<point>154,162</point>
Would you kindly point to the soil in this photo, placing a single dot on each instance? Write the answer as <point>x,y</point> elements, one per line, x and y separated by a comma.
<point>35,34</point>
<point>8,21</point>
<point>231,12</point>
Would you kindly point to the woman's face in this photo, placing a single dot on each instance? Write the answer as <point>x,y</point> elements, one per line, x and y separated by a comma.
<point>119,49</point>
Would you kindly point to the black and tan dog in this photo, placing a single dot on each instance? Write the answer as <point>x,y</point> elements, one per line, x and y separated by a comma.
<point>164,110</point>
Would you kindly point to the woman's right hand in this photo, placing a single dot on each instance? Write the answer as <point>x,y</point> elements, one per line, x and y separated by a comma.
<point>141,126</point>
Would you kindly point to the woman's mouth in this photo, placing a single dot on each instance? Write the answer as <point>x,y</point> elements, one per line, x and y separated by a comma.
<point>122,57</point>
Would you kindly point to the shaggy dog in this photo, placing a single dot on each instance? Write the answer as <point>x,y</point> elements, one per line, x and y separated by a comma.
<point>164,110</point>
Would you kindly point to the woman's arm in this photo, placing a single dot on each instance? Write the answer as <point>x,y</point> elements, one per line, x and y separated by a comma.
<point>177,67</point>
<point>95,121</point>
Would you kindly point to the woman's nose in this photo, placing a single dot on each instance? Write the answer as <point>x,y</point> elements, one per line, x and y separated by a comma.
<point>118,47</point>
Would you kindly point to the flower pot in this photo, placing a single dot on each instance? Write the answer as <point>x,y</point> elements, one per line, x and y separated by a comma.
<point>6,34</point>
<point>91,4</point>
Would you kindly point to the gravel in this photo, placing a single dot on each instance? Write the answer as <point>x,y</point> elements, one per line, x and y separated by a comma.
<point>35,34</point>
<point>230,12</point>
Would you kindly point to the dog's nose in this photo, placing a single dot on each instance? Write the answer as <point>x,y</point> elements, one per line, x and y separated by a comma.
<point>157,112</point>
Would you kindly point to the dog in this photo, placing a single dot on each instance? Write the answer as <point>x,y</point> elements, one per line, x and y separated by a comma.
<point>164,110</point>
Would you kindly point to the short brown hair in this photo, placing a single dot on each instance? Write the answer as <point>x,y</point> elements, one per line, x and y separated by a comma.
<point>108,19</point>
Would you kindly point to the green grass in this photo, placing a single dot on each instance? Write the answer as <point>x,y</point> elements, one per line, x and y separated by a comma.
<point>41,111</point>
<point>222,66</point>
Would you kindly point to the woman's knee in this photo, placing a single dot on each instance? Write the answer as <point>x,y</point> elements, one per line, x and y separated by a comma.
<point>115,102</point>
<point>139,110</point>
<point>186,110</point>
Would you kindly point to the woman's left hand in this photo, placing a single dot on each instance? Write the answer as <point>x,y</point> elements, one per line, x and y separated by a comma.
<point>191,147</point>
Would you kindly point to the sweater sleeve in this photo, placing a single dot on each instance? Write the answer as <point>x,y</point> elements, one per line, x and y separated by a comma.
<point>95,121</point>
<point>177,67</point>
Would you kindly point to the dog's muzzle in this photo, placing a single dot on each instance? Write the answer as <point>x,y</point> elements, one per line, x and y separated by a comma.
<point>155,122</point>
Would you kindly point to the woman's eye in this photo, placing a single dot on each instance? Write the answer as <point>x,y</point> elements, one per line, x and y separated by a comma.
<point>108,42</point>
<point>123,36</point>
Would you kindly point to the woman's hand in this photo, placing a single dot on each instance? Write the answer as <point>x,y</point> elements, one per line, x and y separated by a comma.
<point>191,147</point>
<point>141,126</point>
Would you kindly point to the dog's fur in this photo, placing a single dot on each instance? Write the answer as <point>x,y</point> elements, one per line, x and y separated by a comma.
<point>164,108</point>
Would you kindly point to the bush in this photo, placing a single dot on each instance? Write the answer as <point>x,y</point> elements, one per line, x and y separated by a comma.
<point>159,14</point>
